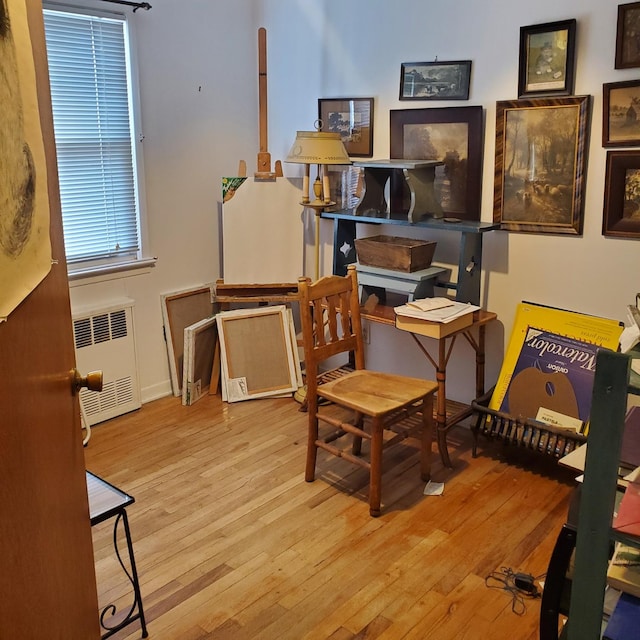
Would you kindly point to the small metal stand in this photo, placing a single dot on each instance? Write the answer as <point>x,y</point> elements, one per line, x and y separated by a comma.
<point>107,501</point>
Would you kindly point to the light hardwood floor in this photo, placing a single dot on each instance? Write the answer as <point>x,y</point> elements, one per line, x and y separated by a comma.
<point>231,543</point>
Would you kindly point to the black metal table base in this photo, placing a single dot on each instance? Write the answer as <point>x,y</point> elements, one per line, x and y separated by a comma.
<point>136,612</point>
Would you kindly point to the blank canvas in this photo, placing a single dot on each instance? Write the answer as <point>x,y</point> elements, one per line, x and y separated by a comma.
<point>179,310</point>
<point>263,232</point>
<point>257,355</point>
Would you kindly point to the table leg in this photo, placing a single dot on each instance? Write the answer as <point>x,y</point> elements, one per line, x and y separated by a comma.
<point>480,361</point>
<point>135,611</point>
<point>427,438</point>
<point>441,403</point>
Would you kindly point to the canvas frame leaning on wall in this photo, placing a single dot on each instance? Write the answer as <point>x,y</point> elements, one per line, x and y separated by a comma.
<point>435,80</point>
<point>547,59</point>
<point>621,215</point>
<point>352,118</point>
<point>621,114</point>
<point>627,44</point>
<point>541,154</point>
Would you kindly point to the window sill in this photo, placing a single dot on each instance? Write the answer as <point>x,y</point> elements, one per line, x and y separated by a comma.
<point>102,273</point>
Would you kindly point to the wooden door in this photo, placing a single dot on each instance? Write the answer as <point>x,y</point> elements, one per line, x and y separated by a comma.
<point>47,574</point>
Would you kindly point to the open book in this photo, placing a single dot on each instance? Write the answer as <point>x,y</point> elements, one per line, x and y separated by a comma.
<point>443,314</point>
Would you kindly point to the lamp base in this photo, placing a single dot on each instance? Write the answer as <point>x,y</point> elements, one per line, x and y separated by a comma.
<point>318,205</point>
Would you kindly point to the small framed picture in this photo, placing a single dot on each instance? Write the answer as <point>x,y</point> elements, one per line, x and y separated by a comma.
<point>621,218</point>
<point>352,118</point>
<point>627,41</point>
<point>547,58</point>
<point>621,114</point>
<point>435,80</point>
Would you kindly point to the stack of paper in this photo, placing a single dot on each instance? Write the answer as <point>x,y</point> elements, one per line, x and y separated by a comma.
<point>435,309</point>
<point>627,519</point>
<point>624,569</point>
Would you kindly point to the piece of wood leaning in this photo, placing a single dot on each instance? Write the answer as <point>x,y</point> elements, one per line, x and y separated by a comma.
<point>263,292</point>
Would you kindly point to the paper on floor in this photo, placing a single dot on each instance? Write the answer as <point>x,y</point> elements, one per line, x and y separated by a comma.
<point>434,489</point>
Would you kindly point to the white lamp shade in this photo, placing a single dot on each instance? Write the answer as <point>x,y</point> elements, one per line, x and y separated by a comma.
<point>318,147</point>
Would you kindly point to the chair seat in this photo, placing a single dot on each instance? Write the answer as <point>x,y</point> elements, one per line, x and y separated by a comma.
<point>374,393</point>
<point>376,402</point>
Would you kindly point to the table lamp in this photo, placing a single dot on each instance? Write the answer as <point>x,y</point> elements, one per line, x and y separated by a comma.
<point>321,148</point>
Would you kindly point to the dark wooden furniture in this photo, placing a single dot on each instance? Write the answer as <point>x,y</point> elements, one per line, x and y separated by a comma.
<point>613,383</point>
<point>331,325</point>
<point>105,502</point>
<point>467,284</point>
<point>556,594</point>
<point>586,539</point>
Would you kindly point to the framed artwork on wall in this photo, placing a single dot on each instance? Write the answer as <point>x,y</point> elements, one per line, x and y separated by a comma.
<point>452,135</point>
<point>627,43</point>
<point>352,118</point>
<point>621,217</point>
<point>621,114</point>
<point>435,80</point>
<point>547,59</point>
<point>540,164</point>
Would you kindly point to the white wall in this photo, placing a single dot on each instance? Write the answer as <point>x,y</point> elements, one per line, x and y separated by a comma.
<point>198,91</point>
<point>198,79</point>
<point>365,42</point>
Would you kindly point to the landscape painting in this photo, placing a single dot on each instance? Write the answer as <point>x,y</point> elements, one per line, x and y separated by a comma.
<point>621,114</point>
<point>540,164</point>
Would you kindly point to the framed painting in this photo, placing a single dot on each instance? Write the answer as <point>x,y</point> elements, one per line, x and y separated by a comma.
<point>621,216</point>
<point>352,118</point>
<point>627,42</point>
<point>435,80</point>
<point>453,136</point>
<point>541,151</point>
<point>547,59</point>
<point>621,114</point>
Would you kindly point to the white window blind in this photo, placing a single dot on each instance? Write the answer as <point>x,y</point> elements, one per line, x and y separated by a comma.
<point>88,73</point>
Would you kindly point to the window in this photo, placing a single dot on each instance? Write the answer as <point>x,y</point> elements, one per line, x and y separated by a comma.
<point>91,95</point>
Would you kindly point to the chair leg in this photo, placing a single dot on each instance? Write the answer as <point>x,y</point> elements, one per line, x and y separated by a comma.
<point>427,438</point>
<point>375,472</point>
<point>312,448</point>
<point>357,440</point>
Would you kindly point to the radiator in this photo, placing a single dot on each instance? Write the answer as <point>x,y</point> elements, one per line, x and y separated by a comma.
<point>104,340</point>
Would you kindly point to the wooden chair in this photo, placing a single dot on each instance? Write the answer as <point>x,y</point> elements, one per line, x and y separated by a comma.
<point>331,325</point>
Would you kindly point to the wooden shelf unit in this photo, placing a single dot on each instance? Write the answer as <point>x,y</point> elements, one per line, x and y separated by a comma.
<point>467,285</point>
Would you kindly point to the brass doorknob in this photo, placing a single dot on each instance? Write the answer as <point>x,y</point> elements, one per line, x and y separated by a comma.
<point>92,381</point>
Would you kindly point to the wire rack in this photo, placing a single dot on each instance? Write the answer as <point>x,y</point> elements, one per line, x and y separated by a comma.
<point>521,432</point>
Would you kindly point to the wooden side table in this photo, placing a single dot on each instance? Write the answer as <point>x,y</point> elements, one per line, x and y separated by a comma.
<point>473,333</point>
<point>107,501</point>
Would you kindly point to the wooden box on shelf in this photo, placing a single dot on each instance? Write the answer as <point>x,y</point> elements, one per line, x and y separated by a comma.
<point>397,254</point>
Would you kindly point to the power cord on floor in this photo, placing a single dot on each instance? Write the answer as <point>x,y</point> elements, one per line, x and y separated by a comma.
<point>521,586</point>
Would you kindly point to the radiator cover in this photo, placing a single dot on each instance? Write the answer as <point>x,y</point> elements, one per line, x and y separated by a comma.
<point>104,340</point>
